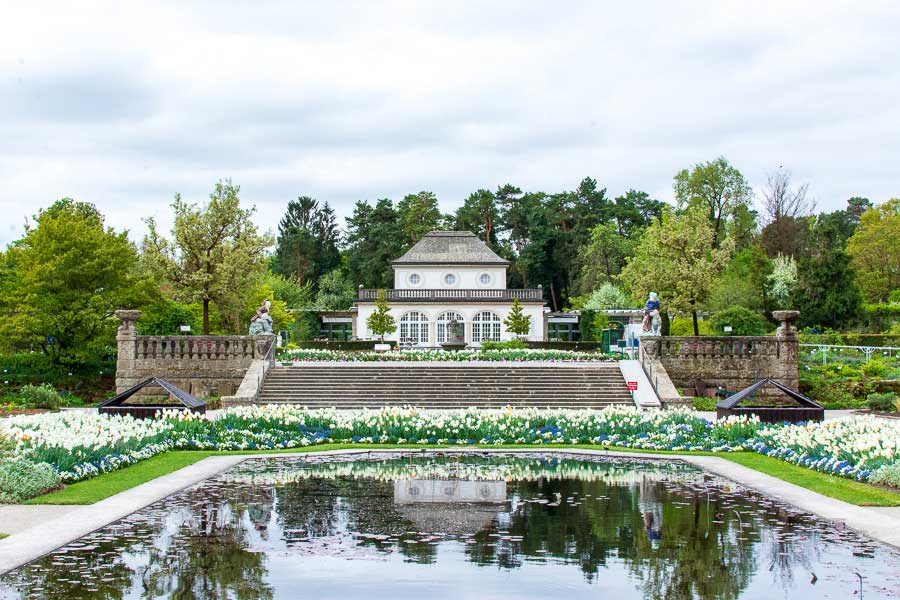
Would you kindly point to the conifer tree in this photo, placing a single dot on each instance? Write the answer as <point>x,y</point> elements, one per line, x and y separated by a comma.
<point>381,321</point>
<point>517,322</point>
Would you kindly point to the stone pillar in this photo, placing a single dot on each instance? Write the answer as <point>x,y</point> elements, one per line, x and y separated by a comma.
<point>126,349</point>
<point>788,347</point>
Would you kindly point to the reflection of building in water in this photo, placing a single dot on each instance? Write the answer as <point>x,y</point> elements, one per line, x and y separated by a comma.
<point>415,491</point>
<point>454,506</point>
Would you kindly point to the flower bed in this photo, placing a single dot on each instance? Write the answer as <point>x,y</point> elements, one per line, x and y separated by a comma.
<point>82,444</point>
<point>290,426</point>
<point>515,355</point>
<point>853,447</point>
<point>79,445</point>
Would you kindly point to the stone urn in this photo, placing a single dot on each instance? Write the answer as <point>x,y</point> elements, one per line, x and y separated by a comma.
<point>787,320</point>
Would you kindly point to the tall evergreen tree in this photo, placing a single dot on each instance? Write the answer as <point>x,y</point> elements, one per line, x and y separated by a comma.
<point>308,238</point>
<point>374,239</point>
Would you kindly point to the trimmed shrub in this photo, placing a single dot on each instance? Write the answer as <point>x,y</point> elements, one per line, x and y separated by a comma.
<point>685,328</point>
<point>882,402</point>
<point>338,345</point>
<point>507,345</point>
<point>743,321</point>
<point>40,396</point>
<point>875,368</point>
<point>834,396</point>
<point>706,404</point>
<point>571,346</point>
<point>887,475</point>
<point>22,479</point>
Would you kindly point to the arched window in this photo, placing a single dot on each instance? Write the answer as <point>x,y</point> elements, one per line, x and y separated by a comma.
<point>413,328</point>
<point>486,327</point>
<point>451,328</point>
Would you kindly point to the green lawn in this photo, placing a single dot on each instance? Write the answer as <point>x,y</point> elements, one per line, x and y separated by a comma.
<point>104,486</point>
<point>3,535</point>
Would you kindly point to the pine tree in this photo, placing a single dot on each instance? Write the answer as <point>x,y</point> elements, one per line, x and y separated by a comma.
<point>517,322</point>
<point>380,322</point>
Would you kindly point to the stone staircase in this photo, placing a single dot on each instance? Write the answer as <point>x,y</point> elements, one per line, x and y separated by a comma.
<point>446,385</point>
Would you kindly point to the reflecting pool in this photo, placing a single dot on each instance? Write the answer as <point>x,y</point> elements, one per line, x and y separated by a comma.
<point>444,525</point>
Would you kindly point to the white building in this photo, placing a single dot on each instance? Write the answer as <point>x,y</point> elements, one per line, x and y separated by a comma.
<point>451,279</point>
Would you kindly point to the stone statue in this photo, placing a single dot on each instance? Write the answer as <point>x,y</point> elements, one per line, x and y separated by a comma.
<point>652,324</point>
<point>261,323</point>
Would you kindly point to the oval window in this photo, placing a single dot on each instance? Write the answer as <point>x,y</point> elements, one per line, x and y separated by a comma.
<point>485,279</point>
<point>415,279</point>
<point>450,279</point>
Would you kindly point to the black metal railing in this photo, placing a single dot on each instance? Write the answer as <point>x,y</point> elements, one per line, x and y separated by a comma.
<point>415,295</point>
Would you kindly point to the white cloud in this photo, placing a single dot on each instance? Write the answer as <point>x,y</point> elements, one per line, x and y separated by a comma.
<point>124,105</point>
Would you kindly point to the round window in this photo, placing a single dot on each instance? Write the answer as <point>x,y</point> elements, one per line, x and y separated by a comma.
<point>485,279</point>
<point>415,279</point>
<point>450,279</point>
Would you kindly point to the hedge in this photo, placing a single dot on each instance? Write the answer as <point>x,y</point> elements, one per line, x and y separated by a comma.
<point>851,339</point>
<point>339,345</point>
<point>573,346</point>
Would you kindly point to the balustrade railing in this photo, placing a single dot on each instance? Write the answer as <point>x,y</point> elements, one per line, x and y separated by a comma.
<point>685,347</point>
<point>150,347</point>
<point>452,294</point>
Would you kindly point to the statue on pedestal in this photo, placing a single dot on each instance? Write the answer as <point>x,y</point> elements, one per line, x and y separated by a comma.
<point>652,323</point>
<point>261,323</point>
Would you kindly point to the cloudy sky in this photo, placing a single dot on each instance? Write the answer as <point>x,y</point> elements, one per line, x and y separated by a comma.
<point>123,106</point>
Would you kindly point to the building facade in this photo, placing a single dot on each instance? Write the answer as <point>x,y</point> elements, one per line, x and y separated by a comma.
<point>450,287</point>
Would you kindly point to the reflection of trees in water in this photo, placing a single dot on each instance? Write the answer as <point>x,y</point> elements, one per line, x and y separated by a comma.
<point>207,557</point>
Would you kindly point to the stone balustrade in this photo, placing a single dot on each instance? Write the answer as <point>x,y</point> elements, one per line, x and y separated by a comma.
<point>197,364</point>
<point>732,362</point>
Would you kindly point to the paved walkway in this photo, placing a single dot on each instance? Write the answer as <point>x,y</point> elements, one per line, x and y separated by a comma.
<point>19,517</point>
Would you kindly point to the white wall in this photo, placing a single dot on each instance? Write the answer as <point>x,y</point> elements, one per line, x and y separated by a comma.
<point>468,311</point>
<point>467,278</point>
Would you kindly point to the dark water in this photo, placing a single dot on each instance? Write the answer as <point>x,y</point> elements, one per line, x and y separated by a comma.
<point>328,528</point>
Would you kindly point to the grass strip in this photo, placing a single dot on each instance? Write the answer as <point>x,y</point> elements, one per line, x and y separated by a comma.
<point>109,484</point>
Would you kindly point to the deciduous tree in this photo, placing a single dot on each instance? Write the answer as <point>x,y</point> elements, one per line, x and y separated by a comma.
<point>875,249</point>
<point>216,253</point>
<point>677,259</point>
<point>65,278</point>
<point>716,187</point>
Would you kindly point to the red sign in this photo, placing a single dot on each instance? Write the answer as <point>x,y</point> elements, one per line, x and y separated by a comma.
<point>632,386</point>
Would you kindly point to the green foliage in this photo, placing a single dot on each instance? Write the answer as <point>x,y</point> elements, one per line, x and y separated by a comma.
<point>677,259</point>
<point>517,321</point>
<point>165,317</point>
<point>262,291</point>
<point>40,396</point>
<point>586,325</point>
<point>608,296</point>
<point>603,258</point>
<point>827,292</point>
<point>742,320</point>
<point>22,479</point>
<point>293,294</point>
<point>875,248</point>
<point>61,283</point>
<point>875,368</point>
<point>882,402</point>
<point>215,254</point>
<point>480,215</point>
<point>90,379</point>
<point>381,322</point>
<point>336,292</point>
<point>307,245</point>
<point>887,475</point>
<point>685,327</point>
<point>834,396</point>
<point>419,214</point>
<point>743,282</point>
<point>507,345</point>
<point>305,326</point>
<point>717,189</point>
<point>705,404</point>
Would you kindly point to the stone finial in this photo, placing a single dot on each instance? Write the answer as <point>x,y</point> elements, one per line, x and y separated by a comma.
<point>787,320</point>
<point>128,317</point>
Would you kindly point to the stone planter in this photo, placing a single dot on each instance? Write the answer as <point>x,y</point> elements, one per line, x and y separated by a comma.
<point>453,346</point>
<point>382,347</point>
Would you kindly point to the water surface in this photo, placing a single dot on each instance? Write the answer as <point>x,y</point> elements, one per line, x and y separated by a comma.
<point>390,526</point>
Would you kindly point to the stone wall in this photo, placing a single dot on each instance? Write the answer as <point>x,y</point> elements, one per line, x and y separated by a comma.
<point>732,362</point>
<point>200,365</point>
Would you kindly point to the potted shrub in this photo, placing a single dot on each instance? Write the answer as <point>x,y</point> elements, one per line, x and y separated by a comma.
<point>381,321</point>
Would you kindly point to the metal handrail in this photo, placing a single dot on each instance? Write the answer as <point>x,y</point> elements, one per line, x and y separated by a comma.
<point>268,362</point>
<point>867,350</point>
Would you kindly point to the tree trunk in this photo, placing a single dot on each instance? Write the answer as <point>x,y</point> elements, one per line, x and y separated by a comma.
<point>205,316</point>
<point>696,325</point>
<point>553,296</point>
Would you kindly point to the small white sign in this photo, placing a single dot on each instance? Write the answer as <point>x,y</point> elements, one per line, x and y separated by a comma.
<point>727,329</point>
<point>185,328</point>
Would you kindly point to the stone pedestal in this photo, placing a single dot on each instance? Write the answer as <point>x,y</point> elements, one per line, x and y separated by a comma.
<point>126,346</point>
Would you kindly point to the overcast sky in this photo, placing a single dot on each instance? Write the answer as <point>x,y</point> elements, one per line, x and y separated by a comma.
<point>123,106</point>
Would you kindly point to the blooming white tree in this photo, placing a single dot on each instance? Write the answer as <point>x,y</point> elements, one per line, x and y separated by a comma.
<point>783,279</point>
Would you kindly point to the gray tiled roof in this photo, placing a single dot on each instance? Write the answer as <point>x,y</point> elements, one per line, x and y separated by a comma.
<point>450,247</point>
